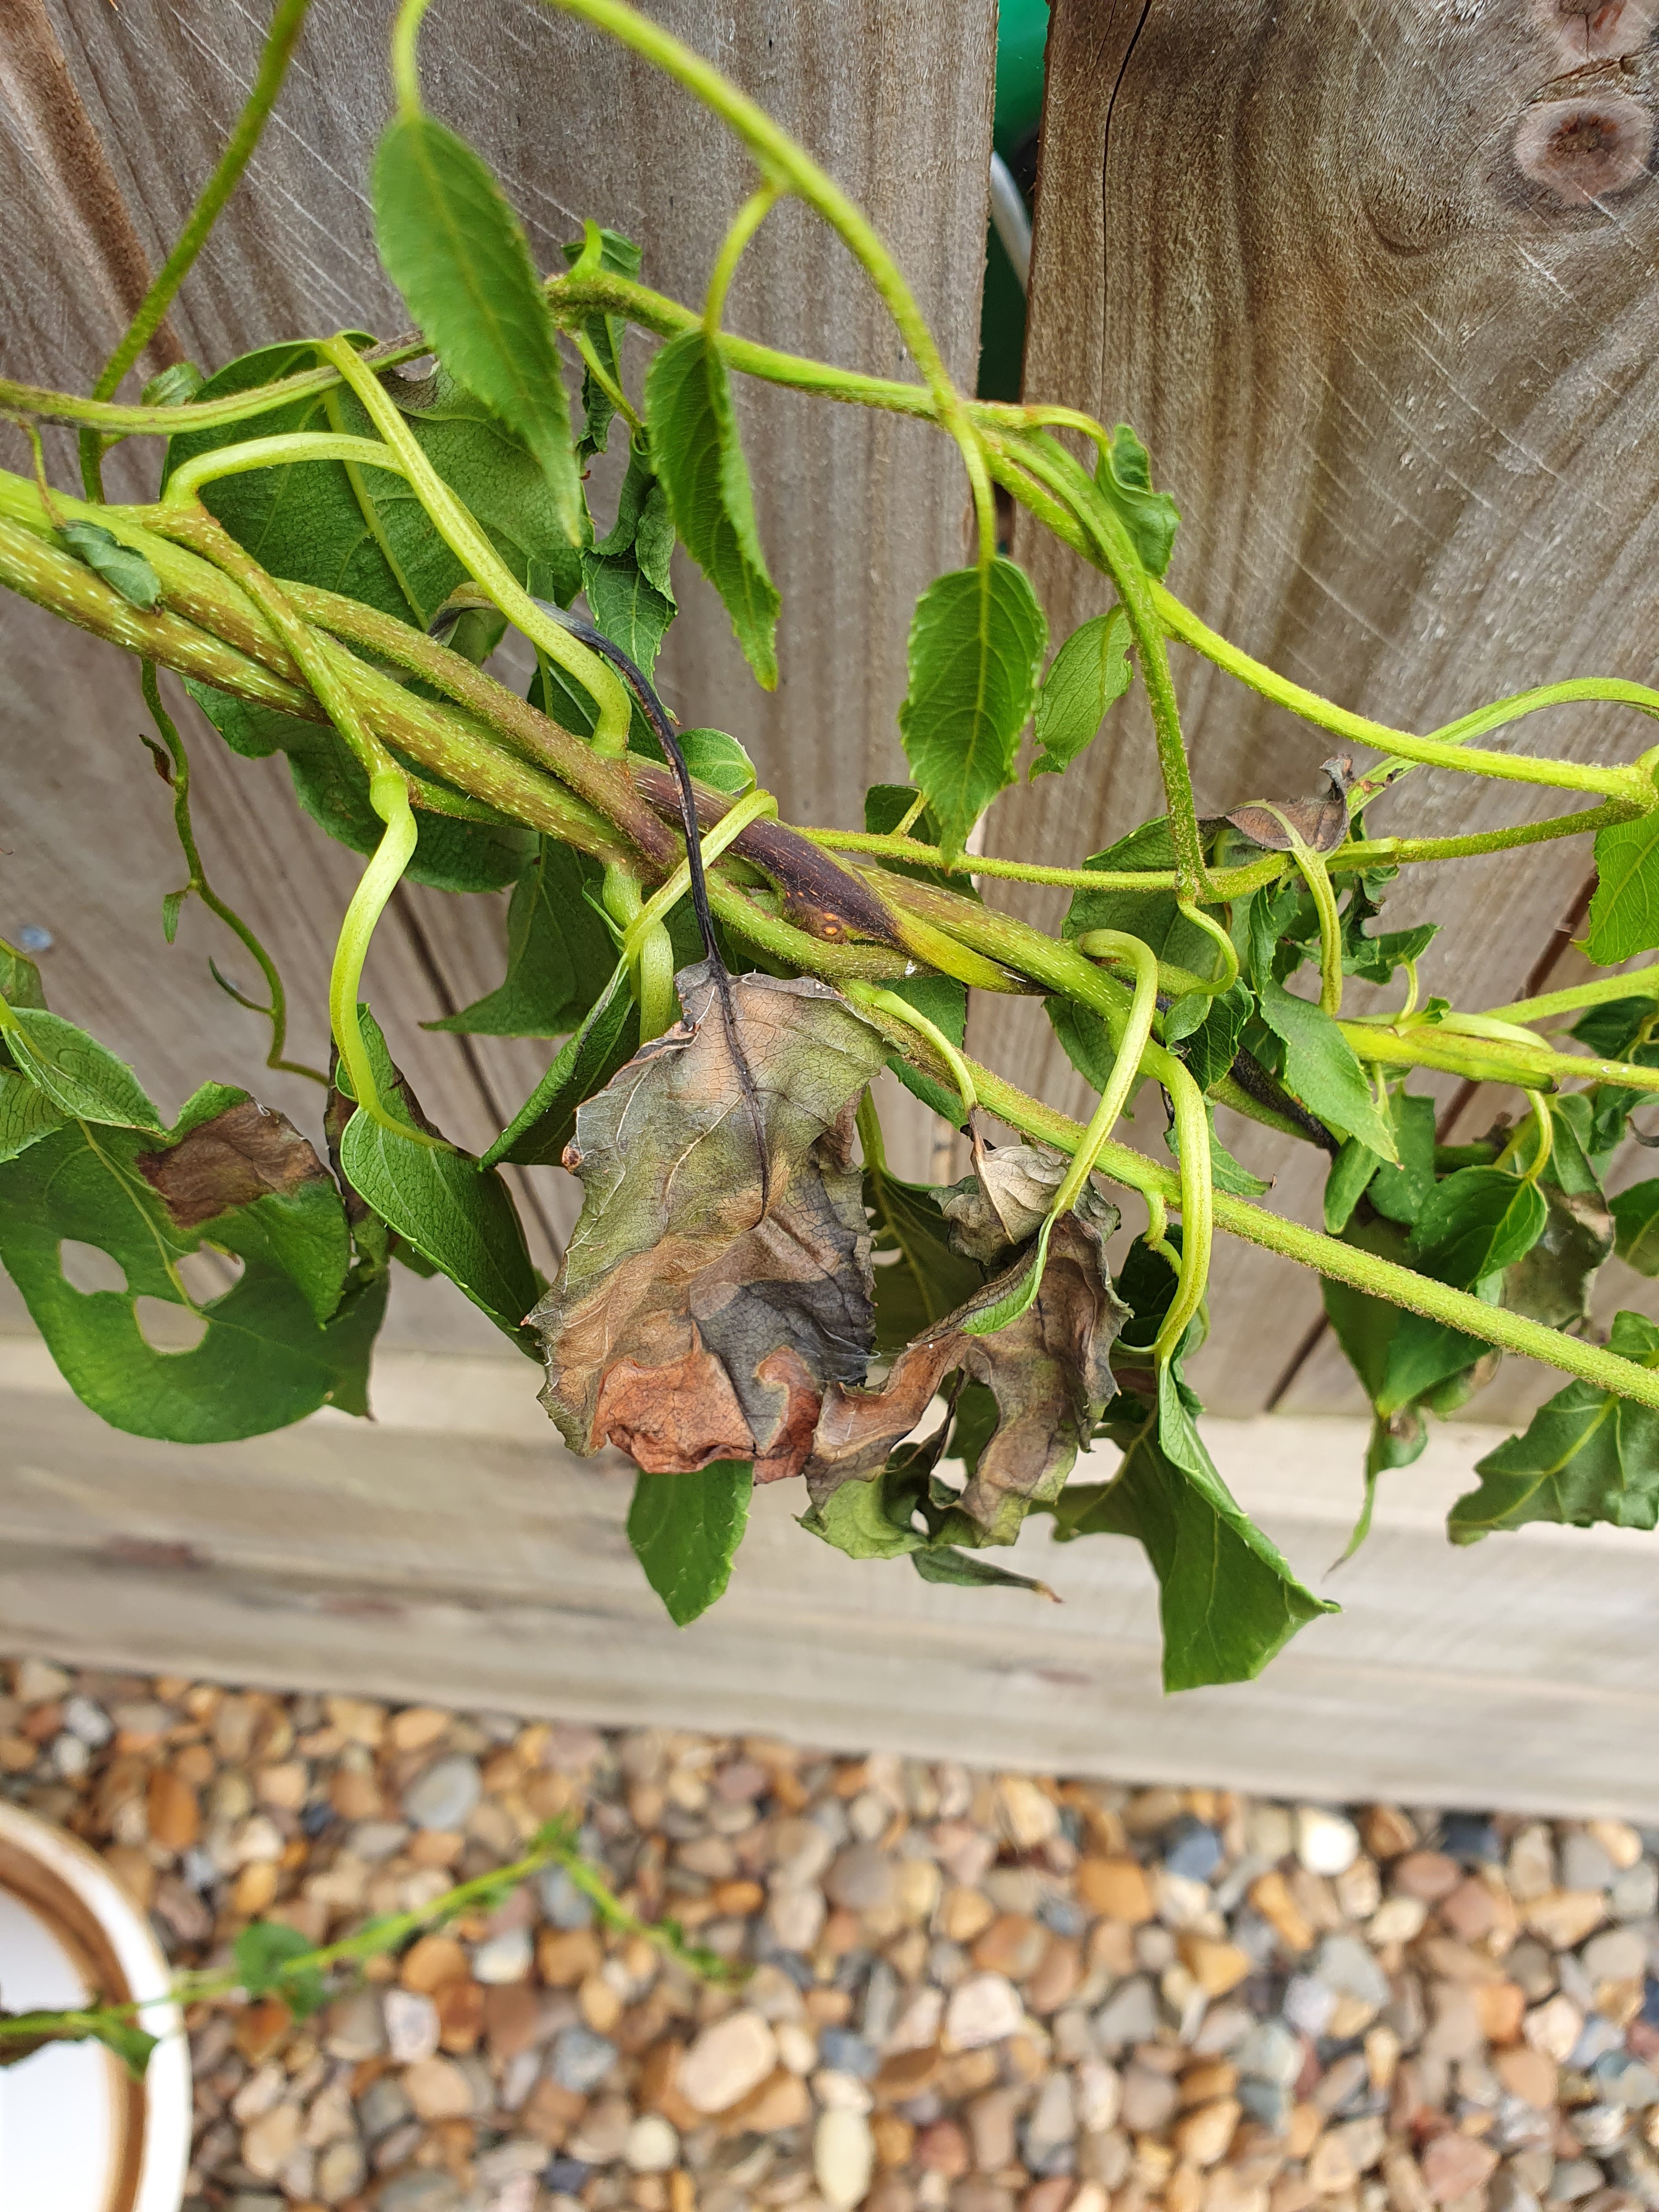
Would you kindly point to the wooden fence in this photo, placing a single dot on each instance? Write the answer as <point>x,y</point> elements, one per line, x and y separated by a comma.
<point>1394,355</point>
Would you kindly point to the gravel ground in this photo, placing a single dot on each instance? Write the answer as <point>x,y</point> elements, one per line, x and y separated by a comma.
<point>970,1992</point>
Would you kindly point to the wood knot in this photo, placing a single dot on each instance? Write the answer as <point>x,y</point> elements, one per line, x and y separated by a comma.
<point>1601,30</point>
<point>1585,150</point>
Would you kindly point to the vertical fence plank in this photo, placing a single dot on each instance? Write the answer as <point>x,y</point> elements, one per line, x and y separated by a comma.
<point>1339,269</point>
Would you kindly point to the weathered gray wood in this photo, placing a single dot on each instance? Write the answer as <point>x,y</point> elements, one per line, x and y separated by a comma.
<point>109,122</point>
<point>453,1551</point>
<point>1401,380</point>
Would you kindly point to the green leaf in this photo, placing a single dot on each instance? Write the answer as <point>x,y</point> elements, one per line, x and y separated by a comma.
<point>1152,916</point>
<point>695,445</point>
<point>685,1530</point>
<point>455,1213</point>
<point>601,249</point>
<point>1320,1069</point>
<point>20,979</point>
<point>1124,474</point>
<point>630,591</point>
<point>1475,1223</point>
<point>176,384</point>
<point>27,1115</point>
<point>1225,1172</point>
<point>1211,1048</point>
<point>262,1362</point>
<point>1610,1031</point>
<point>871,1520</point>
<point>1229,1601</point>
<point>944,1563</point>
<point>1570,1167</point>
<point>1636,1226</point>
<point>449,855</point>
<point>943,1001</point>
<point>1587,1456</point>
<point>80,1076</point>
<point>713,758</point>
<point>258,1957</point>
<point>927,1280</point>
<point>976,643</point>
<point>1088,673</point>
<point>1400,1194</point>
<point>1345,1185</point>
<point>559,953</point>
<point>131,2044</point>
<point>538,1133</point>
<point>363,532</point>
<point>454,249</point>
<point>1624,910</point>
<point>122,568</point>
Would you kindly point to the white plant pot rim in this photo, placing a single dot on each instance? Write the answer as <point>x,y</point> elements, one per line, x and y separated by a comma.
<point>67,1885</point>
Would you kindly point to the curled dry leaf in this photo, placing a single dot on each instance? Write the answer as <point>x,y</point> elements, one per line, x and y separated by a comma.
<point>247,1153</point>
<point>1322,823</point>
<point>1048,1371</point>
<point>685,1325</point>
<point>1003,1203</point>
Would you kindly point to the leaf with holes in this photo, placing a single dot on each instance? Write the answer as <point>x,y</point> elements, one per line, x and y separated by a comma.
<point>264,1359</point>
<point>1586,1457</point>
<point>685,1530</point>
<point>1090,672</point>
<point>455,250</point>
<point>976,643</point>
<point>698,456</point>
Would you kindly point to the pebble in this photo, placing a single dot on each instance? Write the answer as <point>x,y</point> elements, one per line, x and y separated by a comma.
<point>981,2009</point>
<point>994,1993</point>
<point>1325,1842</point>
<point>729,2058</point>
<point>444,1794</point>
<point>843,2159</point>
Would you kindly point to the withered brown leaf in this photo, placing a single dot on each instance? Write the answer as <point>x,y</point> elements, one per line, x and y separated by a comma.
<point>1049,1372</point>
<point>247,1153</point>
<point>1321,823</point>
<point>685,1325</point>
<point>1004,1201</point>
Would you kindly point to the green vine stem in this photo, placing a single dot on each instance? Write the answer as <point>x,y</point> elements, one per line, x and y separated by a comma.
<point>747,220</point>
<point>902,1011</point>
<point>176,770</point>
<point>281,40</point>
<point>1638,983</point>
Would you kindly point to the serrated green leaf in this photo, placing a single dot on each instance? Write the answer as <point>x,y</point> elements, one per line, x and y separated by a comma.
<point>699,458</point>
<point>1211,1046</point>
<point>601,249</point>
<point>1090,672</point>
<point>538,1133</point>
<point>1152,916</point>
<point>123,568</point>
<point>1636,1224</point>
<point>1475,1223</point>
<point>263,1959</point>
<point>1623,909</point>
<point>455,1213</point>
<point>559,954</point>
<point>1320,1069</point>
<point>685,1530</point>
<point>20,979</point>
<point>454,249</point>
<point>27,1115</point>
<point>1124,474</point>
<point>263,1360</point>
<point>1229,1601</point>
<point>1570,1166</point>
<point>1351,1173</point>
<point>81,1076</point>
<point>1587,1456</point>
<point>976,643</point>
<point>1400,1192</point>
<point>627,577</point>
<point>713,758</point>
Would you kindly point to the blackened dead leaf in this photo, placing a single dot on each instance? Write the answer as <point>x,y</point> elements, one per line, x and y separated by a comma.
<point>250,1151</point>
<point>685,1326</point>
<point>1322,823</point>
<point>1048,1371</point>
